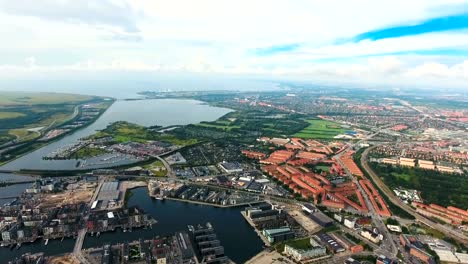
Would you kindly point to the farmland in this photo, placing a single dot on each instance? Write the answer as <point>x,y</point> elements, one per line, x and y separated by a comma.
<point>320,129</point>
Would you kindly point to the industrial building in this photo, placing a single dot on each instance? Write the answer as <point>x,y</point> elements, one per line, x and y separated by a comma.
<point>330,243</point>
<point>309,208</point>
<point>109,193</point>
<point>321,219</point>
<point>230,167</point>
<point>262,212</point>
<point>278,234</point>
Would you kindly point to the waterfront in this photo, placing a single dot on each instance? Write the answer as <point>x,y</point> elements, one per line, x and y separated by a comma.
<point>162,112</point>
<point>10,177</point>
<point>237,236</point>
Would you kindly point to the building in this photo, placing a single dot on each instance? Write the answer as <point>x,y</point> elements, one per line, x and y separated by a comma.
<point>416,248</point>
<point>109,191</point>
<point>231,167</point>
<point>261,212</point>
<point>445,169</point>
<point>371,236</point>
<point>330,243</point>
<point>407,162</point>
<point>299,254</point>
<point>394,228</point>
<point>321,219</point>
<point>351,261</point>
<point>389,161</point>
<point>384,260</point>
<point>309,208</point>
<point>350,223</point>
<point>278,234</point>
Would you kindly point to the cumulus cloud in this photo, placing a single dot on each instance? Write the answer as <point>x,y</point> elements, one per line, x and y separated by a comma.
<point>297,39</point>
<point>96,13</point>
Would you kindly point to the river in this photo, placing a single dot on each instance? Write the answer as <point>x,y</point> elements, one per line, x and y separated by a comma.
<point>236,235</point>
<point>162,112</point>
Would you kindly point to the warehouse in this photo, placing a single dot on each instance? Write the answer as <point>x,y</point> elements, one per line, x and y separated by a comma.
<point>330,243</point>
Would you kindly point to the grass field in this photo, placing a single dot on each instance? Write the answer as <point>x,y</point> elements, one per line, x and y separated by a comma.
<point>10,115</point>
<point>302,243</point>
<point>28,98</point>
<point>88,152</point>
<point>157,168</point>
<point>20,111</point>
<point>323,168</point>
<point>221,124</point>
<point>126,132</point>
<point>320,129</point>
<point>23,134</point>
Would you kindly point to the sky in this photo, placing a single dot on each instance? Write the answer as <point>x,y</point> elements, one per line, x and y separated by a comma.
<point>369,42</point>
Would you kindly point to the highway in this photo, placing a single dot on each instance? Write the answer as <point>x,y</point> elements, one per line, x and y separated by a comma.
<point>395,200</point>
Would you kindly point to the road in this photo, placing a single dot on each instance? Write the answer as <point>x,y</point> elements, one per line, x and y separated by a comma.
<point>395,200</point>
<point>387,246</point>
<point>82,233</point>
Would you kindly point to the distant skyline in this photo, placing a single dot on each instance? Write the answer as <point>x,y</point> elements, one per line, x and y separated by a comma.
<point>369,42</point>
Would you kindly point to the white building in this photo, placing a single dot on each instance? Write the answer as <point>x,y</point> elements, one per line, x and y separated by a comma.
<point>315,250</point>
<point>350,223</point>
<point>394,228</point>
<point>371,236</point>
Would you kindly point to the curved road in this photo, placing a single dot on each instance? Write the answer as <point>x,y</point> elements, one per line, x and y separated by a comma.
<point>394,199</point>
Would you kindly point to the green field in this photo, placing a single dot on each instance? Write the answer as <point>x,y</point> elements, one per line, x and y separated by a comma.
<point>29,98</point>
<point>320,129</point>
<point>24,134</point>
<point>10,115</point>
<point>127,132</point>
<point>323,168</point>
<point>88,152</point>
<point>302,243</point>
<point>245,126</point>
<point>157,168</point>
<point>220,124</point>
<point>21,111</point>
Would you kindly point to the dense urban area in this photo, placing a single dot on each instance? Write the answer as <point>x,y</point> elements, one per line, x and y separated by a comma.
<point>321,177</point>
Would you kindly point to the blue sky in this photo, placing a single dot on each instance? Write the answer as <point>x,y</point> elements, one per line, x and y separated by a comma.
<point>420,42</point>
<point>438,24</point>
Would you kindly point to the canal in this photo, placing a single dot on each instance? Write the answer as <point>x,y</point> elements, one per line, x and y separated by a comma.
<point>236,235</point>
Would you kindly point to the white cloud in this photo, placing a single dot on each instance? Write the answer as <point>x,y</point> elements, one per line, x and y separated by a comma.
<point>218,36</point>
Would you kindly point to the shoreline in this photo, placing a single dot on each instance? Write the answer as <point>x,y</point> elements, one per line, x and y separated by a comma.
<point>44,144</point>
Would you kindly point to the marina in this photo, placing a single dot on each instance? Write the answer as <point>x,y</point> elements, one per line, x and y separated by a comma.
<point>171,217</point>
<point>142,112</point>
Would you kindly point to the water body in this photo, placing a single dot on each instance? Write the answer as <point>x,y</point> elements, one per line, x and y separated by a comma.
<point>236,235</point>
<point>10,177</point>
<point>128,88</point>
<point>162,112</point>
<point>7,192</point>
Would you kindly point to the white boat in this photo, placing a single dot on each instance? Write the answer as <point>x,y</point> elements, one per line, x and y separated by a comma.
<point>46,242</point>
